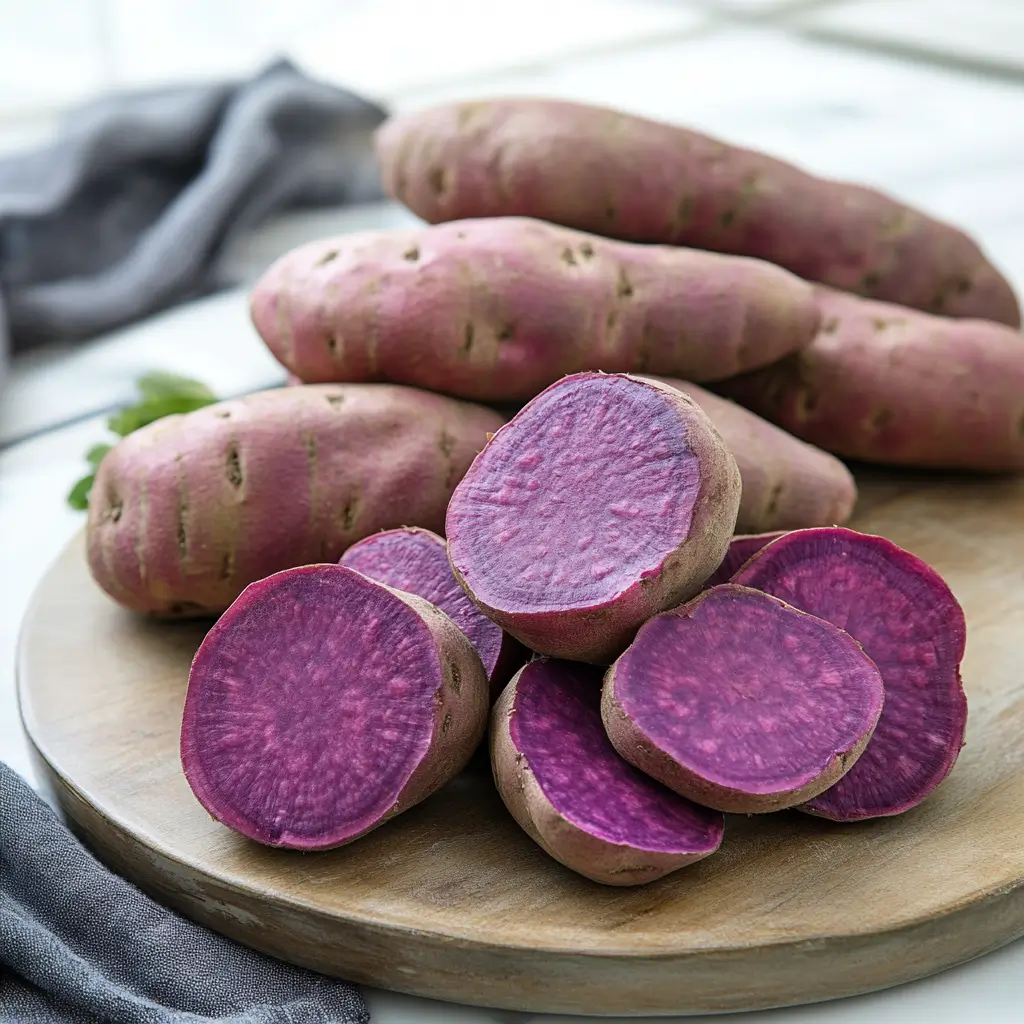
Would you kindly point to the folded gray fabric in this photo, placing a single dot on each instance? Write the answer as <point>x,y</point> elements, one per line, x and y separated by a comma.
<point>127,211</point>
<point>80,944</point>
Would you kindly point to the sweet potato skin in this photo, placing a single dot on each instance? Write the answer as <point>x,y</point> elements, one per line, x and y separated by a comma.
<point>188,511</point>
<point>462,706</point>
<point>787,483</point>
<point>742,548</point>
<point>577,849</point>
<point>628,177</point>
<point>891,385</point>
<point>498,309</point>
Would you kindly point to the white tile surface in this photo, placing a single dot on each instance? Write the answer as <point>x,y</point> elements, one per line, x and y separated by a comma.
<point>469,38</point>
<point>212,340</point>
<point>25,131</point>
<point>57,52</point>
<point>760,8</point>
<point>988,31</point>
<point>51,53</point>
<point>160,41</point>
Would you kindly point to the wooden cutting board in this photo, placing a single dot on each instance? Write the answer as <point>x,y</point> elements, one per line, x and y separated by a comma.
<point>451,900</point>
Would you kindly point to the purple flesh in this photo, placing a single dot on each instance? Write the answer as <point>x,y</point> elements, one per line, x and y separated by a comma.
<point>416,561</point>
<point>587,490</point>
<point>746,693</point>
<point>310,704</point>
<point>557,725</point>
<point>741,548</point>
<point>910,624</point>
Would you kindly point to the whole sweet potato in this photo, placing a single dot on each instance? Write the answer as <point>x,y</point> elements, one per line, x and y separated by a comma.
<point>188,511</point>
<point>892,385</point>
<point>628,177</point>
<point>498,309</point>
<point>787,483</point>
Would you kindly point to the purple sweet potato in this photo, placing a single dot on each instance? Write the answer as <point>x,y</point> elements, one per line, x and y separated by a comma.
<point>891,385</point>
<point>416,561</point>
<point>601,502</point>
<point>741,548</point>
<point>321,704</point>
<point>787,483</point>
<point>497,310</point>
<point>628,177</point>
<point>910,624</point>
<point>188,511</point>
<point>574,796</point>
<point>742,703</point>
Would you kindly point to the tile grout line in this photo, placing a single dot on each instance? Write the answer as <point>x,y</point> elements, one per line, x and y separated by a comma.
<point>932,57</point>
<point>13,441</point>
<point>725,11</point>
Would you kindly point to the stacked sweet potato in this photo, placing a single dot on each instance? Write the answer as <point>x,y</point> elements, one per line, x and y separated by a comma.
<point>703,636</point>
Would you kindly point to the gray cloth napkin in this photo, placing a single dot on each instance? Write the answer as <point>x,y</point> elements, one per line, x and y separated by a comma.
<point>79,945</point>
<point>127,211</point>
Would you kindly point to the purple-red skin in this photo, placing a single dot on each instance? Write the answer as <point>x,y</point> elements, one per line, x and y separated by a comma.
<point>321,704</point>
<point>605,500</point>
<point>741,548</point>
<point>787,483</point>
<point>416,561</point>
<point>910,624</point>
<point>628,177</point>
<point>885,384</point>
<point>742,703</point>
<point>186,512</point>
<point>569,790</point>
<point>496,310</point>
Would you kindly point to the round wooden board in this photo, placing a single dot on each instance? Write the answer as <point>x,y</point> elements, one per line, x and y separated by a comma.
<point>452,900</point>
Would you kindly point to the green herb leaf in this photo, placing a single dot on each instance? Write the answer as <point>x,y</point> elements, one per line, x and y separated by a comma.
<point>161,394</point>
<point>78,496</point>
<point>94,456</point>
<point>131,419</point>
<point>156,386</point>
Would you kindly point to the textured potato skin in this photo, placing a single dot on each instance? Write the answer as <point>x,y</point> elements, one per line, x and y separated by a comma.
<point>461,706</point>
<point>742,548</point>
<point>188,511</point>
<point>787,483</point>
<point>498,309</point>
<point>628,177</point>
<point>599,633</point>
<point>891,385</point>
<point>586,854</point>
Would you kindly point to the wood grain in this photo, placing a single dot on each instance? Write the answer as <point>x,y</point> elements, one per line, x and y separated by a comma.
<point>452,900</point>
